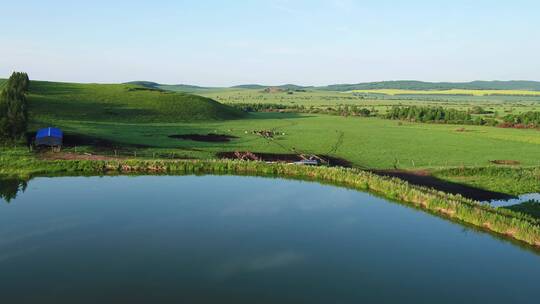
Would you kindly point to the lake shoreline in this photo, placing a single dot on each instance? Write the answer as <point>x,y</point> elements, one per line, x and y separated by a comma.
<point>510,224</point>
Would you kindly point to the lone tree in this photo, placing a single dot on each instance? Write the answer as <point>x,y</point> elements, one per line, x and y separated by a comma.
<point>14,108</point>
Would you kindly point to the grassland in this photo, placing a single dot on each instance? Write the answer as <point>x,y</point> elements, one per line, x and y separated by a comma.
<point>366,142</point>
<point>511,180</point>
<point>139,121</point>
<point>50,102</point>
<point>500,105</point>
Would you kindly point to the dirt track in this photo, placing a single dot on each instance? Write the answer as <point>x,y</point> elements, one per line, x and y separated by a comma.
<point>73,156</point>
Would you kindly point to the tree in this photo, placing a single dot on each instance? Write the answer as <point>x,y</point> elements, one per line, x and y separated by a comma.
<point>14,108</point>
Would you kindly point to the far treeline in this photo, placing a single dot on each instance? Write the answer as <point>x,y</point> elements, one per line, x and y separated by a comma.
<point>426,114</point>
<point>14,108</point>
<point>451,116</point>
<point>345,110</point>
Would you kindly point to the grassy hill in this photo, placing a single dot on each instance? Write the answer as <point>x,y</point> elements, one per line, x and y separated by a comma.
<point>50,101</point>
<point>520,85</point>
<point>185,88</point>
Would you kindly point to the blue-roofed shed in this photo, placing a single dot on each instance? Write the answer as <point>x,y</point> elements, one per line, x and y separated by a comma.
<point>51,137</point>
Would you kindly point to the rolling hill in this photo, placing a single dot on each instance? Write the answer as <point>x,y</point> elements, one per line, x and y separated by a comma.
<point>50,101</point>
<point>186,88</point>
<point>382,85</point>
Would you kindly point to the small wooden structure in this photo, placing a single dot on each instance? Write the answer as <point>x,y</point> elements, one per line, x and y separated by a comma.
<point>307,162</point>
<point>246,156</point>
<point>49,137</point>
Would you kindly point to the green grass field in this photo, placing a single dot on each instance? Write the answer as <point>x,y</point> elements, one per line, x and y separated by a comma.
<point>500,105</point>
<point>366,142</point>
<point>132,115</point>
<point>50,101</point>
<point>139,120</point>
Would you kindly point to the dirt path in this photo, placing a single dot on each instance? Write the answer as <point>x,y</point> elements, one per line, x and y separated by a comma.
<point>424,178</point>
<point>73,156</point>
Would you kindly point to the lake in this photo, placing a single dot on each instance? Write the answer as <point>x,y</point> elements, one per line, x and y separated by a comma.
<point>230,239</point>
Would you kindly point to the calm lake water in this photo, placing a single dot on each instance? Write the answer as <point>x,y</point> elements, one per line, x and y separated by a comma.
<point>226,239</point>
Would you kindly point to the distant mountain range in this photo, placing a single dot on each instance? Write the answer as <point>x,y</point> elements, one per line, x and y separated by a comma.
<point>421,85</point>
<point>400,84</point>
<point>261,87</point>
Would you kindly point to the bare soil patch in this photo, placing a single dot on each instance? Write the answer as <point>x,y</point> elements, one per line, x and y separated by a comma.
<point>210,137</point>
<point>505,162</point>
<point>73,156</point>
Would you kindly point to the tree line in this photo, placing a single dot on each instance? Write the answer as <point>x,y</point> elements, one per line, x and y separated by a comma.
<point>524,120</point>
<point>342,110</point>
<point>436,115</point>
<point>14,107</point>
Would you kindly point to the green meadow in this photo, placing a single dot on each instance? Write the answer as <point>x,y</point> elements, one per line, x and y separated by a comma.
<point>53,101</point>
<point>498,104</point>
<point>139,121</point>
<point>366,142</point>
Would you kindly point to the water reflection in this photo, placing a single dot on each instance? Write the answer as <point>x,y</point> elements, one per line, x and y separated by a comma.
<point>260,263</point>
<point>515,201</point>
<point>10,187</point>
<point>214,239</point>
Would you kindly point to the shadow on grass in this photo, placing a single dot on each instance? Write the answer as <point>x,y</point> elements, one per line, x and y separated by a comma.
<point>88,110</point>
<point>422,178</point>
<point>73,140</point>
<point>531,208</point>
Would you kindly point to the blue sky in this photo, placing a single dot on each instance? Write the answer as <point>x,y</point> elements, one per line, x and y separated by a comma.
<point>272,42</point>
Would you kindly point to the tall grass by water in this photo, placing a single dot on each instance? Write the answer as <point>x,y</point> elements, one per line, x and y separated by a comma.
<point>502,221</point>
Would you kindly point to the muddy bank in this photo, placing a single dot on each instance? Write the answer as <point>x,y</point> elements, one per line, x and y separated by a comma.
<point>283,158</point>
<point>424,178</point>
<point>210,137</point>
